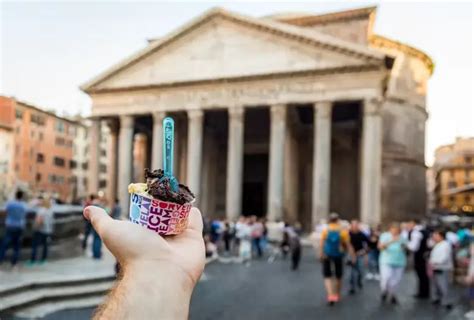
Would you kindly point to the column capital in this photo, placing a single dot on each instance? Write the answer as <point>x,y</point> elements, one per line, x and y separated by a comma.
<point>126,121</point>
<point>372,106</point>
<point>236,112</point>
<point>278,110</point>
<point>195,114</point>
<point>113,126</point>
<point>158,116</point>
<point>323,109</point>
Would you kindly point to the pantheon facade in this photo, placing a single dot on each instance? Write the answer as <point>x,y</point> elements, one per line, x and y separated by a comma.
<point>289,116</point>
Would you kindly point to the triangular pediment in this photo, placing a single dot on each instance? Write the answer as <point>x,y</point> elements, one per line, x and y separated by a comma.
<point>222,46</point>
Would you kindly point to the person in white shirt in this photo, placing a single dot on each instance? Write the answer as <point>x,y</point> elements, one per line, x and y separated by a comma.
<point>441,263</point>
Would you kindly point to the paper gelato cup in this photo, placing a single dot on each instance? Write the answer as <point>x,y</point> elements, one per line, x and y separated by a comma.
<point>162,217</point>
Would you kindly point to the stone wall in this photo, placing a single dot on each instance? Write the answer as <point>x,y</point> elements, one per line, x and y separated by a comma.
<point>403,168</point>
<point>354,30</point>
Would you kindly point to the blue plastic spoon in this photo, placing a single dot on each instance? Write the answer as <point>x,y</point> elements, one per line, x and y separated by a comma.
<point>168,151</point>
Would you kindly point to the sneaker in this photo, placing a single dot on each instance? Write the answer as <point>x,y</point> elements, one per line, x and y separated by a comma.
<point>469,315</point>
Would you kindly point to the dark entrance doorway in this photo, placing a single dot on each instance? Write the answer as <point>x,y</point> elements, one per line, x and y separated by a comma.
<point>254,197</point>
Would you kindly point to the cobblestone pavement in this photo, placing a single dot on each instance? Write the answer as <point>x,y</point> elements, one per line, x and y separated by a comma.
<point>272,291</point>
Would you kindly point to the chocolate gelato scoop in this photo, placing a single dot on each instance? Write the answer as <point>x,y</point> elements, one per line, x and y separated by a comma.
<point>160,187</point>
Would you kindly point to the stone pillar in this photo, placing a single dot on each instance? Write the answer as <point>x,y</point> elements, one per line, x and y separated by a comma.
<point>140,155</point>
<point>157,141</point>
<point>371,166</point>
<point>194,151</point>
<point>94,157</point>
<point>125,160</point>
<point>112,162</point>
<point>291,185</point>
<point>235,155</point>
<point>277,157</point>
<point>321,161</point>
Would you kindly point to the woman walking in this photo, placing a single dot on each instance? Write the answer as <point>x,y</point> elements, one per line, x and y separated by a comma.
<point>392,262</point>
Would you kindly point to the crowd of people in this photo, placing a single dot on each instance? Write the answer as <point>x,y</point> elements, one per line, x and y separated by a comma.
<point>248,238</point>
<point>43,227</point>
<point>435,252</point>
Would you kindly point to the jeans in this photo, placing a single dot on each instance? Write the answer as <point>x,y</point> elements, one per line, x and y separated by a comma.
<point>12,237</point>
<point>96,245</point>
<point>87,232</point>
<point>356,272</point>
<point>39,239</point>
<point>373,261</point>
<point>257,246</point>
<point>390,277</point>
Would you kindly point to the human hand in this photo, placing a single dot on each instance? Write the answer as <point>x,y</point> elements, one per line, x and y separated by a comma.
<point>138,250</point>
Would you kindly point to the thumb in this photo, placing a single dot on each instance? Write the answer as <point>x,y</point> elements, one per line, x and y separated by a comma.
<point>99,218</point>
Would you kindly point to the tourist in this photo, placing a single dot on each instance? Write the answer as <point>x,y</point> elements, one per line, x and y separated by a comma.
<point>334,243</point>
<point>441,263</point>
<point>264,240</point>
<point>239,227</point>
<point>42,230</point>
<point>245,248</point>
<point>294,236</point>
<point>373,255</point>
<point>285,241</point>
<point>116,210</point>
<point>87,224</point>
<point>14,225</point>
<point>227,236</point>
<point>359,243</point>
<point>418,244</point>
<point>256,233</point>
<point>392,262</point>
<point>161,271</point>
<point>470,282</point>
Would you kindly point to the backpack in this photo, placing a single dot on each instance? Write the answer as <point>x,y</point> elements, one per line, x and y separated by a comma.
<point>332,244</point>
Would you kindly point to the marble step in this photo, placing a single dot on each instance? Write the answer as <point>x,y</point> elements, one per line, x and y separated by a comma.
<point>20,299</point>
<point>43,309</point>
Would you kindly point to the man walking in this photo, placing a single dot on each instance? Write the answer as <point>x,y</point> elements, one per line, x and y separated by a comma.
<point>359,243</point>
<point>14,226</point>
<point>418,244</point>
<point>334,243</point>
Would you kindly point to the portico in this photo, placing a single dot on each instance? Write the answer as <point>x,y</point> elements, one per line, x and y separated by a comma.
<point>290,129</point>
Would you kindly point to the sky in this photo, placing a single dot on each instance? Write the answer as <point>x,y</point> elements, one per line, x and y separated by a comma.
<point>48,49</point>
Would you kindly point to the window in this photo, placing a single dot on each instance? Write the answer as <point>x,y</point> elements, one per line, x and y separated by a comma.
<point>17,149</point>
<point>38,177</point>
<point>468,159</point>
<point>452,199</point>
<point>52,178</point>
<point>451,173</point>
<point>85,182</point>
<point>38,119</point>
<point>452,184</point>
<point>19,114</point>
<point>102,184</point>
<point>72,164</point>
<point>59,179</point>
<point>103,168</point>
<point>40,136</point>
<point>103,153</point>
<point>60,141</point>
<point>59,162</point>
<point>59,126</point>
<point>40,158</point>
<point>85,165</point>
<point>467,198</point>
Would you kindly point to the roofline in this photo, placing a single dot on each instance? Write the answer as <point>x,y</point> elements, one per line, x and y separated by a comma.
<point>382,41</point>
<point>285,29</point>
<point>333,16</point>
<point>333,70</point>
<point>38,109</point>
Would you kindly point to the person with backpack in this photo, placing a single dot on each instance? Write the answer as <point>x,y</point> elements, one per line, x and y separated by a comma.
<point>334,244</point>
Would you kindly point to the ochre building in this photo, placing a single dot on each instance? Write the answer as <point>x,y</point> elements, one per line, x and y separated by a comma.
<point>286,116</point>
<point>454,177</point>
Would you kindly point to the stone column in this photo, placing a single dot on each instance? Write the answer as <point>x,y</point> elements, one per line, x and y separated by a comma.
<point>321,161</point>
<point>125,160</point>
<point>194,151</point>
<point>371,166</point>
<point>112,162</point>
<point>94,157</point>
<point>235,155</point>
<point>277,157</point>
<point>157,140</point>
